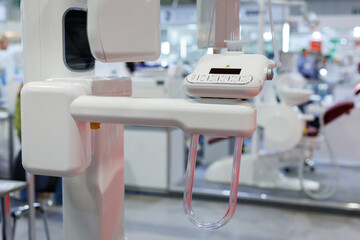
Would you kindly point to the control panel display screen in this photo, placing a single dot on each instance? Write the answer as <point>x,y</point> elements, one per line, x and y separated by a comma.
<point>232,71</point>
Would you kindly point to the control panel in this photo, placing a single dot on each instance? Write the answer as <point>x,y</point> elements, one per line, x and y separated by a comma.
<point>219,79</point>
<point>229,75</point>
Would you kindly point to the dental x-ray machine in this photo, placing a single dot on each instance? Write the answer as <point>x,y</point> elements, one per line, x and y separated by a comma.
<point>72,122</point>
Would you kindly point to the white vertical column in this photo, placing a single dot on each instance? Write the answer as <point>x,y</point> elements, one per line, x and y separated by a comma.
<point>94,201</point>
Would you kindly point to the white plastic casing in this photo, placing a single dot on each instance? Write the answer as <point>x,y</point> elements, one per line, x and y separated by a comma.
<point>213,117</point>
<point>244,85</point>
<point>124,30</point>
<point>42,35</point>
<point>53,142</point>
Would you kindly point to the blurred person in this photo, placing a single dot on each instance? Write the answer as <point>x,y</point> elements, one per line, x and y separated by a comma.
<point>4,62</point>
<point>133,66</point>
<point>130,66</point>
<point>305,64</point>
<point>4,42</point>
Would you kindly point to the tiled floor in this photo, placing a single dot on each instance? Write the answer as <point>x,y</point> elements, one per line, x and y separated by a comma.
<point>158,218</point>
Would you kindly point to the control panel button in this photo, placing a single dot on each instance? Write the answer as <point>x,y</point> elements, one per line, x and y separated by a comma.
<point>217,78</point>
<point>192,78</point>
<point>213,78</point>
<point>223,79</point>
<point>203,78</point>
<point>234,79</point>
<point>246,79</point>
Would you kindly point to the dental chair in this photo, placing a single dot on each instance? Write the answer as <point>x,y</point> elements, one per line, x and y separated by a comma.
<point>282,126</point>
<point>288,138</point>
<point>314,134</point>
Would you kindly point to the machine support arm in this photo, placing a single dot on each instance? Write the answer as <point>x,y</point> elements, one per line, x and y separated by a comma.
<point>209,117</point>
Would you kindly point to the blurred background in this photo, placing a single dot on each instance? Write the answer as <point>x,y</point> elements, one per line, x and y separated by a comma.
<point>304,157</point>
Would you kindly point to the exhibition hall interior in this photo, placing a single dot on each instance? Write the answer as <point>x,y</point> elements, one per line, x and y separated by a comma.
<point>179,119</point>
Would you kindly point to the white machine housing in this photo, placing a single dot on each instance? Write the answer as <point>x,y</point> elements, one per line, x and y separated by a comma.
<point>229,75</point>
<point>59,102</point>
<point>63,145</point>
<point>47,126</point>
<point>42,35</point>
<point>123,34</point>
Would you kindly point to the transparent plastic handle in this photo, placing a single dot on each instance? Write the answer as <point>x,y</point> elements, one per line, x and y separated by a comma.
<point>190,180</point>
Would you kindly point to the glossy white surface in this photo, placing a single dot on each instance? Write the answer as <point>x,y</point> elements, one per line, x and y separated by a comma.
<point>42,32</point>
<point>244,85</point>
<point>210,117</point>
<point>63,145</point>
<point>94,201</point>
<point>55,143</point>
<point>52,142</point>
<point>124,31</point>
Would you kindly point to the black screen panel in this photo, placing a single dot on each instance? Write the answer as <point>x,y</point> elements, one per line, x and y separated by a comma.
<point>77,54</point>
<point>233,71</point>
